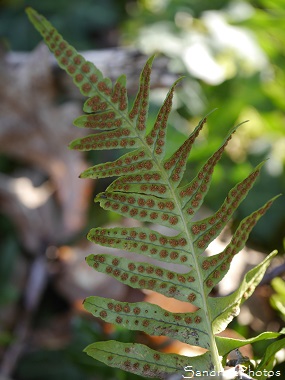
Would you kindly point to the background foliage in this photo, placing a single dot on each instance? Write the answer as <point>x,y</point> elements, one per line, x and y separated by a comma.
<point>232,55</point>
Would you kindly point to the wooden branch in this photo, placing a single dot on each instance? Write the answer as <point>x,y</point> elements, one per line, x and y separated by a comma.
<point>112,62</point>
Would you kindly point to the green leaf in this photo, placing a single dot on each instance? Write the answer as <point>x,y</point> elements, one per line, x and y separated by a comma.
<point>268,360</point>
<point>277,300</point>
<point>193,193</point>
<point>141,360</point>
<point>146,208</point>
<point>86,76</point>
<point>224,309</point>
<point>206,230</point>
<point>154,320</point>
<point>141,275</point>
<point>156,139</point>
<point>226,345</point>
<point>279,286</point>
<point>219,264</point>
<point>150,243</point>
<point>151,183</point>
<point>174,167</point>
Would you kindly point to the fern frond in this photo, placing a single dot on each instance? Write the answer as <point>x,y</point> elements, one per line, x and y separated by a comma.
<point>229,306</point>
<point>139,359</point>
<point>226,345</point>
<point>148,189</point>
<point>150,318</point>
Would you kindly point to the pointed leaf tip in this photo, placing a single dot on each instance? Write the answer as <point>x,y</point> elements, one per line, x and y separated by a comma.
<point>30,11</point>
<point>34,16</point>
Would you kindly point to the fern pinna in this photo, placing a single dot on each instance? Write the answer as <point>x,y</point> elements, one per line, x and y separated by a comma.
<point>148,189</point>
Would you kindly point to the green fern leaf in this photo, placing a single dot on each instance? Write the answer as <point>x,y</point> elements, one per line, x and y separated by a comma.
<point>148,188</point>
<point>151,318</point>
<point>217,265</point>
<point>227,345</point>
<point>228,307</point>
<point>141,360</point>
<point>268,360</point>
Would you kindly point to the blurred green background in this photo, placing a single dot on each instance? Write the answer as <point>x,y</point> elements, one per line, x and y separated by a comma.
<point>232,55</point>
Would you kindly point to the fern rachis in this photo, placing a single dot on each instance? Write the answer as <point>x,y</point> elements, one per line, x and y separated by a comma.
<point>148,188</point>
